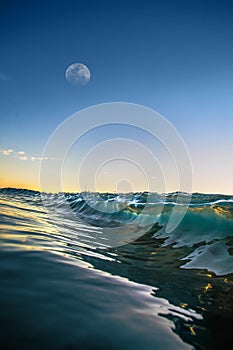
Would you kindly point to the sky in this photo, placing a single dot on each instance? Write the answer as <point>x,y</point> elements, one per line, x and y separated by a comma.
<point>175,57</point>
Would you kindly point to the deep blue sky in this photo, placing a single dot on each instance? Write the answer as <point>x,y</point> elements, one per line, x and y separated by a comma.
<point>173,56</point>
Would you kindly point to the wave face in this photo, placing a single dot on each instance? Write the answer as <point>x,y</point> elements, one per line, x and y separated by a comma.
<point>69,259</point>
<point>94,220</point>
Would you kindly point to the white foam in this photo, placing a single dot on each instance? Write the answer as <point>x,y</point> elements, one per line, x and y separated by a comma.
<point>214,257</point>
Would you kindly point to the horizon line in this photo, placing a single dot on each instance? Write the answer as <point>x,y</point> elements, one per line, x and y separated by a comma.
<point>113,192</point>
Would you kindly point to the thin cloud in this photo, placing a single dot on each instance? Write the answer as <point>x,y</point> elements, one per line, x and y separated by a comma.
<point>42,158</point>
<point>22,155</point>
<point>6,152</point>
<point>4,77</point>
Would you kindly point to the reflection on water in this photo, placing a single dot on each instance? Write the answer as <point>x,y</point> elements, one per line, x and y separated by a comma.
<point>133,296</point>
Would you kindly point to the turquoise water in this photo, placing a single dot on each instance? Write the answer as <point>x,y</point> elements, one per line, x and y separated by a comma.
<point>84,271</point>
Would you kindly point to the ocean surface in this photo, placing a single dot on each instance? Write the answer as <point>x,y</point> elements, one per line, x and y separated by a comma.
<point>100,271</point>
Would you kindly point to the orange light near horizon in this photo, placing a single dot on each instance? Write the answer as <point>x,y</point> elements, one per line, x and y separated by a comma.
<point>19,184</point>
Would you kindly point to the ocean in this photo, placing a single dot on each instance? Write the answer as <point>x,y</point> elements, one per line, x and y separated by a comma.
<point>101,271</point>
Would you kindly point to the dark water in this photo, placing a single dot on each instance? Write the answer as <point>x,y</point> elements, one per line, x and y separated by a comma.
<point>90,272</point>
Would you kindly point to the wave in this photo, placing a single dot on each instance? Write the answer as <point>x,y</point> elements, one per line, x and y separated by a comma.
<point>206,231</point>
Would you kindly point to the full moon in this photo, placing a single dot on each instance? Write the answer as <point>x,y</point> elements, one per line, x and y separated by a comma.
<point>78,74</point>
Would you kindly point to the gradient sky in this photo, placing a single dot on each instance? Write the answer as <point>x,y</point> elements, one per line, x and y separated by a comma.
<point>172,56</point>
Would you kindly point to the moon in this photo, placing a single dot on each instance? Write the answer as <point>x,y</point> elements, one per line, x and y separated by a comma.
<point>78,74</point>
